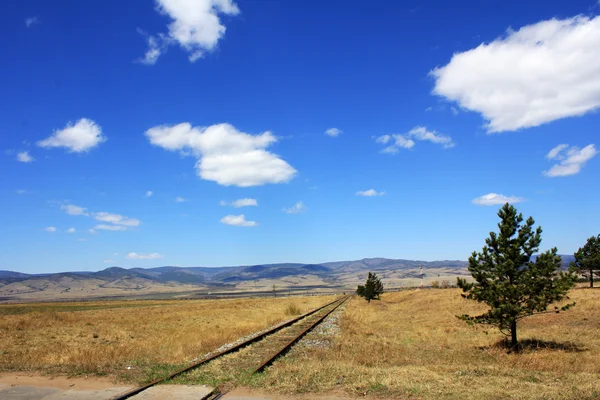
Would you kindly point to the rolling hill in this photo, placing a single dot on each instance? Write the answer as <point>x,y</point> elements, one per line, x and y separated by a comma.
<point>175,281</point>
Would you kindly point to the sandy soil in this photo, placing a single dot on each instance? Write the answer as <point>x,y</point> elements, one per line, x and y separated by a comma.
<point>60,382</point>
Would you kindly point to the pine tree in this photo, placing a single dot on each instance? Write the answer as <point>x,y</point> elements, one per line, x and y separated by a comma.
<point>587,259</point>
<point>508,280</point>
<point>372,289</point>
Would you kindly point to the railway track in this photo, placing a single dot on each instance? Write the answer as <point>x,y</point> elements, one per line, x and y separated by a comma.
<point>250,356</point>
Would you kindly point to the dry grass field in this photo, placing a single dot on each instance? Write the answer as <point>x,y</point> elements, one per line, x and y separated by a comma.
<point>410,345</point>
<point>131,340</point>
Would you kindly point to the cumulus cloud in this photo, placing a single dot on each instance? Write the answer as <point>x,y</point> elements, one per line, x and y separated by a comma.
<point>150,256</point>
<point>195,25</point>
<point>50,229</point>
<point>408,140</point>
<point>71,230</point>
<point>571,160</point>
<point>237,220</point>
<point>29,22</point>
<point>24,157</point>
<point>369,193</point>
<point>225,155</point>
<point>537,74</point>
<point>295,209</point>
<point>149,193</point>
<point>113,222</point>
<point>240,203</point>
<point>333,132</point>
<point>80,137</point>
<point>492,199</point>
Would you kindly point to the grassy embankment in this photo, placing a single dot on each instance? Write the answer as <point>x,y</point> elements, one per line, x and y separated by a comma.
<point>151,337</point>
<point>411,345</point>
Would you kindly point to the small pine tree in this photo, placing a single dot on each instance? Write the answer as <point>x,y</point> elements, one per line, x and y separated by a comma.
<point>372,289</point>
<point>587,259</point>
<point>508,281</point>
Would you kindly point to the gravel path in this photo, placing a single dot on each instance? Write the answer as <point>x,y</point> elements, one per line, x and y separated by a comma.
<point>325,332</point>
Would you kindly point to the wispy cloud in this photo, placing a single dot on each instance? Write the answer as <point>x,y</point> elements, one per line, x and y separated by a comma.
<point>104,227</point>
<point>240,203</point>
<point>29,22</point>
<point>571,159</point>
<point>113,222</point>
<point>149,193</point>
<point>369,193</point>
<point>408,140</point>
<point>237,220</point>
<point>295,209</point>
<point>24,157</point>
<point>492,199</point>
<point>71,230</point>
<point>180,199</point>
<point>150,256</point>
<point>333,132</point>
<point>50,229</point>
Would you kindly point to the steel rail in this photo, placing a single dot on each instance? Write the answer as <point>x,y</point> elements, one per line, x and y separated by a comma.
<point>269,360</point>
<point>205,360</point>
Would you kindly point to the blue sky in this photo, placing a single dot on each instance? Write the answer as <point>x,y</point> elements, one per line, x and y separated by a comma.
<point>343,130</point>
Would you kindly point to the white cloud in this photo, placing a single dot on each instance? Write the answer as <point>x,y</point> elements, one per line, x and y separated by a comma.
<point>492,199</point>
<point>71,230</point>
<point>407,141</point>
<point>552,154</point>
<point>369,193</point>
<point>196,26</point>
<point>51,229</point>
<point>29,22</point>
<point>104,227</point>
<point>149,193</point>
<point>240,203</point>
<point>333,132</point>
<point>136,256</point>
<point>72,209</point>
<point>295,209</point>
<point>156,46</point>
<point>537,74</point>
<point>226,155</point>
<point>21,191</point>
<point>116,219</point>
<point>421,133</point>
<point>571,159</point>
<point>118,222</point>
<point>383,139</point>
<point>180,199</point>
<point>108,261</point>
<point>24,157</point>
<point>80,137</point>
<point>237,220</point>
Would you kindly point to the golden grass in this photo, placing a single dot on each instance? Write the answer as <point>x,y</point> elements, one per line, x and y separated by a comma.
<point>411,345</point>
<point>104,338</point>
